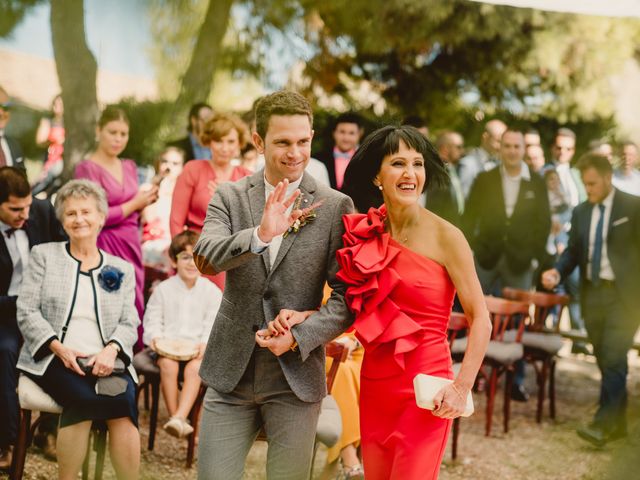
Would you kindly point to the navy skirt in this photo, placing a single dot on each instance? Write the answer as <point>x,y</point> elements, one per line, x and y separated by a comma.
<point>79,399</point>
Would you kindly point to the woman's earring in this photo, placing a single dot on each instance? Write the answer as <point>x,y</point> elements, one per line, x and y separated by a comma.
<point>380,187</point>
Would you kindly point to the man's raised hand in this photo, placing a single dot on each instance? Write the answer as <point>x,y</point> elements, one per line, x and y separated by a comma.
<point>275,219</point>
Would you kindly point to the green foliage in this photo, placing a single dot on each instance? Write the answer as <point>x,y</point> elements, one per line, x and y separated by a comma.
<point>440,57</point>
<point>147,134</point>
<point>12,12</point>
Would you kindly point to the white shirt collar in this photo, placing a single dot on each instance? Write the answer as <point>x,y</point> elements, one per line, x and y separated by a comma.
<point>523,175</point>
<point>4,227</point>
<point>292,186</point>
<point>608,200</point>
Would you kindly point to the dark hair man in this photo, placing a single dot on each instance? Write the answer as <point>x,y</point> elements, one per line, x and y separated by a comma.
<point>604,242</point>
<point>346,137</point>
<point>10,151</point>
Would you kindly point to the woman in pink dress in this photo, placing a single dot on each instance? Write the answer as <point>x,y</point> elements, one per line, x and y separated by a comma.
<point>120,235</point>
<point>402,265</point>
<point>226,135</point>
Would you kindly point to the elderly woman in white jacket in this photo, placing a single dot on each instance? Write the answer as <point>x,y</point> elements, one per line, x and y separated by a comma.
<point>77,315</point>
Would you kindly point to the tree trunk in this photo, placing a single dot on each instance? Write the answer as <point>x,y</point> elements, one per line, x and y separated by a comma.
<point>77,71</point>
<point>198,79</point>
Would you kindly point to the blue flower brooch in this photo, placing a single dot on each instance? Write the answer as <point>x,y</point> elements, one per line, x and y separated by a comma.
<point>110,278</point>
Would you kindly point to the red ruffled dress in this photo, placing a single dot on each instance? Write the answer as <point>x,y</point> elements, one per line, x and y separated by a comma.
<point>402,302</point>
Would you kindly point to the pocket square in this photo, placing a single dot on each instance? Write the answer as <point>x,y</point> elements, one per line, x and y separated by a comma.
<point>529,195</point>
<point>620,221</point>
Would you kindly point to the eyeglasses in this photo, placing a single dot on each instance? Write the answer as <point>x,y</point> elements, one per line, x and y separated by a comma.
<point>184,256</point>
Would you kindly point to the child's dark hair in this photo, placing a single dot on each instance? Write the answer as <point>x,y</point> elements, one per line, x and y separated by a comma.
<point>181,241</point>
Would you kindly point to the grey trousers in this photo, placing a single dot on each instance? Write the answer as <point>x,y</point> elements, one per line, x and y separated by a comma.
<point>231,421</point>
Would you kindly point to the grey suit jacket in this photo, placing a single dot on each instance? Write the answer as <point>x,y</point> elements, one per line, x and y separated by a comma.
<point>255,293</point>
<point>46,299</point>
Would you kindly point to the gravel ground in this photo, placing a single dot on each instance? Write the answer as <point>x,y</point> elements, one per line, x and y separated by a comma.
<point>529,451</point>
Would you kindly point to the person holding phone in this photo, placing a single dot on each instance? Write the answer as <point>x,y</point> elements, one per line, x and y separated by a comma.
<point>77,315</point>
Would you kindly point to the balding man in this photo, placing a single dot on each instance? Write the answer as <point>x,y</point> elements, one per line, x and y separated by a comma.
<point>483,158</point>
<point>448,202</point>
<point>10,151</point>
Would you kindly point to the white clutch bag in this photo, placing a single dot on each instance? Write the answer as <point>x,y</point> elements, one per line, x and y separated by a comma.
<point>426,387</point>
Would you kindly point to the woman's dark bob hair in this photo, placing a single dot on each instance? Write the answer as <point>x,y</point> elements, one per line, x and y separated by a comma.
<point>365,164</point>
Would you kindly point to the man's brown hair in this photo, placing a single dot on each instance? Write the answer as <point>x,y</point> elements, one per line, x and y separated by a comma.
<point>283,102</point>
<point>13,181</point>
<point>597,161</point>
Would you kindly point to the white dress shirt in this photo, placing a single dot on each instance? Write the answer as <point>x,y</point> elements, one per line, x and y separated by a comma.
<point>177,312</point>
<point>606,272</point>
<point>18,246</point>
<point>257,245</point>
<point>568,183</point>
<point>627,183</point>
<point>511,187</point>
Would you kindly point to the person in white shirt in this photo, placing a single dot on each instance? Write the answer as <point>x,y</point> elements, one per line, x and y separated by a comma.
<point>183,307</point>
<point>627,177</point>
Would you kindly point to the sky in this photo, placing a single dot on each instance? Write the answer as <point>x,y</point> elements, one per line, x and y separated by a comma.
<point>117,33</point>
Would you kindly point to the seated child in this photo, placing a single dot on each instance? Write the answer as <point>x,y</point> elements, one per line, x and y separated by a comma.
<point>183,307</point>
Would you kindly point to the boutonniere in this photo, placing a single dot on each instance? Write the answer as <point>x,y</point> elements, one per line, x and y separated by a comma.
<point>110,278</point>
<point>308,215</point>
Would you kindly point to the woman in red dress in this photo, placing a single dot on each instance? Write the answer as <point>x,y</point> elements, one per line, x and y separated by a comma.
<point>226,135</point>
<point>403,266</point>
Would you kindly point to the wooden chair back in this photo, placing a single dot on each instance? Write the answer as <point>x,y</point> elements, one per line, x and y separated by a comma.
<point>545,303</point>
<point>339,353</point>
<point>505,315</point>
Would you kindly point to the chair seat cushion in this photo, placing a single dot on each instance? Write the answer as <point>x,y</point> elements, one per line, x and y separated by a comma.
<point>547,342</point>
<point>144,364</point>
<point>502,352</point>
<point>32,397</point>
<point>329,423</point>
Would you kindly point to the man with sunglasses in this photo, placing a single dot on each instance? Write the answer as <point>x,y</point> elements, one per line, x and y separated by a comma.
<point>10,151</point>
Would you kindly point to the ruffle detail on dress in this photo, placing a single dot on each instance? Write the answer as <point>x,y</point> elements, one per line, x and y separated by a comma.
<point>364,267</point>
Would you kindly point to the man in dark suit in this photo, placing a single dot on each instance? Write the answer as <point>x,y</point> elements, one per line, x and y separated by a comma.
<point>10,150</point>
<point>191,145</point>
<point>346,137</point>
<point>24,222</point>
<point>604,242</point>
<point>507,221</point>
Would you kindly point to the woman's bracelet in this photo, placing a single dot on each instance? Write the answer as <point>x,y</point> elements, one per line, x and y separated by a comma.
<point>457,391</point>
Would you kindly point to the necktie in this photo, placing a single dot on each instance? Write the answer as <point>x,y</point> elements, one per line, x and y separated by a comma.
<point>597,248</point>
<point>3,158</point>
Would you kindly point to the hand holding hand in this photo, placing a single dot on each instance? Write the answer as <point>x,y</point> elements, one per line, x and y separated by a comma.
<point>275,220</point>
<point>277,344</point>
<point>67,356</point>
<point>103,362</point>
<point>285,320</point>
<point>550,278</point>
<point>451,401</point>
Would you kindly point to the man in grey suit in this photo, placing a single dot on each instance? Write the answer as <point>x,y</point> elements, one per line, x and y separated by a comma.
<point>256,380</point>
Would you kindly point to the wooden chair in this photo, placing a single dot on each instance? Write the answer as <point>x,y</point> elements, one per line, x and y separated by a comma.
<point>33,399</point>
<point>541,344</point>
<point>505,348</point>
<point>458,324</point>
<point>150,375</point>
<point>338,353</point>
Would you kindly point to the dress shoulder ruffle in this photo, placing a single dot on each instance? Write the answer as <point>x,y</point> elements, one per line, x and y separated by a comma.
<point>366,267</point>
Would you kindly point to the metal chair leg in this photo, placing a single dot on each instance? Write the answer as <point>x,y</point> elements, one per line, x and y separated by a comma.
<point>153,419</point>
<point>22,443</point>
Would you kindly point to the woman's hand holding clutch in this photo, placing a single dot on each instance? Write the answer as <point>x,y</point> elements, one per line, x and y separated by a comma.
<point>67,356</point>
<point>450,401</point>
<point>103,362</point>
